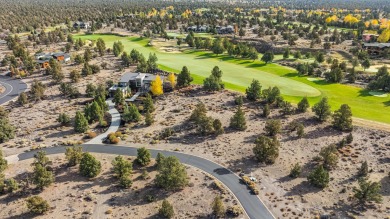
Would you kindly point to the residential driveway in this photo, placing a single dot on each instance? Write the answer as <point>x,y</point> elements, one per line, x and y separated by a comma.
<point>13,87</point>
<point>115,123</point>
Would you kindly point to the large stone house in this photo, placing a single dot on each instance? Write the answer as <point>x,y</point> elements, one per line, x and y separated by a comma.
<point>136,83</point>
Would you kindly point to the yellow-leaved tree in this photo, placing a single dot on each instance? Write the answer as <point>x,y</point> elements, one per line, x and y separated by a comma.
<point>172,79</point>
<point>157,86</point>
<point>385,36</point>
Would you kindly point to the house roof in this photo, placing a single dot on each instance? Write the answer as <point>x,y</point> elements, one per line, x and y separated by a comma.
<point>130,76</point>
<point>379,45</point>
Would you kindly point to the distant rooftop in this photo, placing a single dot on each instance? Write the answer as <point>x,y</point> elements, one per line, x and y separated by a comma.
<point>380,45</point>
<point>129,76</point>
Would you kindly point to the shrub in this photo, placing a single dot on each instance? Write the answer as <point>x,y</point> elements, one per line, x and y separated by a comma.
<point>91,134</point>
<point>235,210</point>
<point>23,99</point>
<point>239,101</point>
<point>349,138</point>
<point>63,118</point>
<point>166,210</point>
<point>300,131</point>
<point>217,125</point>
<point>73,155</point>
<point>266,111</point>
<point>295,171</point>
<point>329,156</point>
<point>218,207</point>
<point>272,127</point>
<point>37,205</point>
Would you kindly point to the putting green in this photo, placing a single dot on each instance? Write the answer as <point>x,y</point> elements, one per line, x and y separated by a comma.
<point>201,64</point>
<point>238,74</point>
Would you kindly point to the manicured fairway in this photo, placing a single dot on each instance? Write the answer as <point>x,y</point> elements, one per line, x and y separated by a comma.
<point>201,64</point>
<point>238,73</point>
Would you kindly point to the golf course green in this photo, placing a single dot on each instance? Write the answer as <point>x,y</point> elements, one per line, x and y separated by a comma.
<point>238,74</point>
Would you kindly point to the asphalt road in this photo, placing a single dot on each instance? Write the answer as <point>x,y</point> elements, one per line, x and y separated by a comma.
<point>251,203</point>
<point>13,87</point>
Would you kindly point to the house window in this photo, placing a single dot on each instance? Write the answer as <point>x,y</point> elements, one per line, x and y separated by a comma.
<point>138,84</point>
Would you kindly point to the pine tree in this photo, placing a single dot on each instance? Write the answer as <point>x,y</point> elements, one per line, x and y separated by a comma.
<point>266,149</point>
<point>89,166</point>
<point>329,156</point>
<point>322,109</point>
<point>363,170</point>
<point>148,104</point>
<point>184,78</point>
<point>172,175</point>
<point>101,46</point>
<point>319,177</point>
<point>123,170</point>
<point>81,123</point>
<point>303,105</point>
<point>131,113</point>
<point>238,121</point>
<point>42,177</point>
<point>217,125</point>
<point>253,92</point>
<point>149,120</point>
<point>143,156</point>
<point>342,118</point>
<point>368,192</point>
<point>118,97</point>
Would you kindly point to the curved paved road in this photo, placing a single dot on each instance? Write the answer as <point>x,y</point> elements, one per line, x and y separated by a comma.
<point>251,203</point>
<point>13,87</point>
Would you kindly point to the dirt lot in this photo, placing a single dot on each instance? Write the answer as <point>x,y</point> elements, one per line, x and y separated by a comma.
<point>36,122</point>
<point>285,197</point>
<point>73,196</point>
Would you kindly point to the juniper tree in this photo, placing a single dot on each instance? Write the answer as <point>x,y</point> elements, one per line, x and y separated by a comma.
<point>266,149</point>
<point>342,118</point>
<point>253,92</point>
<point>319,177</point>
<point>238,121</point>
<point>322,109</point>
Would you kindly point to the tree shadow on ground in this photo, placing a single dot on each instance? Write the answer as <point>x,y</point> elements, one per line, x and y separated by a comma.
<point>245,164</point>
<point>23,215</point>
<point>325,132</point>
<point>385,182</point>
<point>386,103</point>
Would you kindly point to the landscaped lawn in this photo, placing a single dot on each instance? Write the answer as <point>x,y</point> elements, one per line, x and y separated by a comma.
<point>238,74</point>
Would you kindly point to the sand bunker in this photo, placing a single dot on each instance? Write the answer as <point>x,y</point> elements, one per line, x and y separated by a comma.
<point>378,94</point>
<point>313,79</point>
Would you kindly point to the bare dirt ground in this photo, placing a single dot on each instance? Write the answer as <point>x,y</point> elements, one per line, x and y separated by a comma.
<point>73,196</point>
<point>2,89</point>
<point>286,197</point>
<point>36,122</point>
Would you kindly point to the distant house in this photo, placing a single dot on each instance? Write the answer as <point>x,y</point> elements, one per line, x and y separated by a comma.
<point>225,30</point>
<point>136,83</point>
<point>376,49</point>
<point>81,25</point>
<point>43,58</point>
<point>198,29</point>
